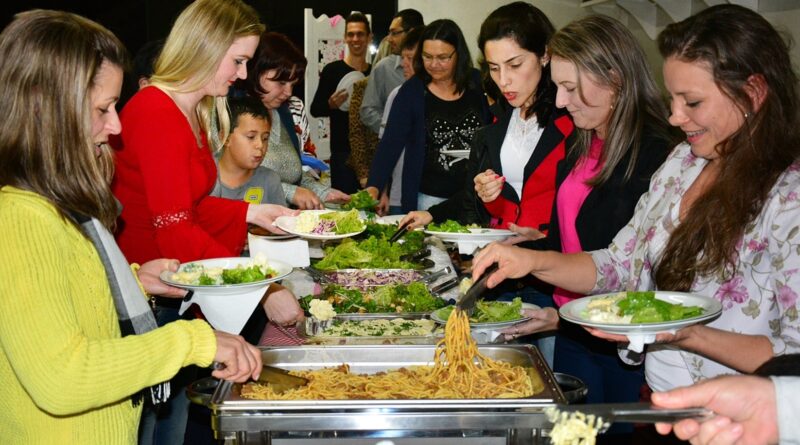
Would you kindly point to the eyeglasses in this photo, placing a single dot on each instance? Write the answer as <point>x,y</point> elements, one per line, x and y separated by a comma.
<point>396,32</point>
<point>441,58</point>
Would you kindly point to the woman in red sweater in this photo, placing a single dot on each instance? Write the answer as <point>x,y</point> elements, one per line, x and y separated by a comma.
<point>165,169</point>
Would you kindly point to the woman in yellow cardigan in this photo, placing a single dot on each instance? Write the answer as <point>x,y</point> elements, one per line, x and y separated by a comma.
<point>79,351</point>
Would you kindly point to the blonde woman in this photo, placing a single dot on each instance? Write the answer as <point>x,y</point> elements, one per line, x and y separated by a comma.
<point>79,352</point>
<point>165,168</point>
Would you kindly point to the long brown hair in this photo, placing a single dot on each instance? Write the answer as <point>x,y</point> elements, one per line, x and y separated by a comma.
<point>736,43</point>
<point>605,49</point>
<point>48,64</point>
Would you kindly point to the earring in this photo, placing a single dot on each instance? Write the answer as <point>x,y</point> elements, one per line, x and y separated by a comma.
<point>746,115</point>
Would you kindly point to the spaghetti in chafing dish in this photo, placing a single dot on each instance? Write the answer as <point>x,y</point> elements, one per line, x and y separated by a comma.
<point>459,371</point>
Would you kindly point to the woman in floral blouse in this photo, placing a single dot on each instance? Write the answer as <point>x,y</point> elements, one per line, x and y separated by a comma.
<point>721,217</point>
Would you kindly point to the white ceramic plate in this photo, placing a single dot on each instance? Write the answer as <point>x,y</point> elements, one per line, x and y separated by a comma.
<point>263,234</point>
<point>456,153</point>
<point>435,316</point>
<point>389,219</point>
<point>282,270</point>
<point>288,224</point>
<point>474,235</point>
<point>574,312</point>
<point>347,84</point>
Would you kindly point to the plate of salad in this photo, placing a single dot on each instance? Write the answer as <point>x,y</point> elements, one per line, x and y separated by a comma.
<point>641,312</point>
<point>453,231</point>
<point>225,276</point>
<point>490,314</point>
<point>322,224</point>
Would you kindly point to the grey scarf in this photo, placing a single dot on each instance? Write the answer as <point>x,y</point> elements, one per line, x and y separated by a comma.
<point>135,316</point>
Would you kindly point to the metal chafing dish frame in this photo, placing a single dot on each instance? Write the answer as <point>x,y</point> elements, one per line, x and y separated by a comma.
<point>310,328</point>
<point>244,421</point>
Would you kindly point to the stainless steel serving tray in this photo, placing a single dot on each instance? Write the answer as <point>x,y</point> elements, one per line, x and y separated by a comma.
<point>370,359</point>
<point>310,328</point>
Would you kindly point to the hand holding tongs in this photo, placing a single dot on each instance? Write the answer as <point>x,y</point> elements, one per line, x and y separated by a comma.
<point>467,302</point>
<point>635,413</point>
<point>402,230</point>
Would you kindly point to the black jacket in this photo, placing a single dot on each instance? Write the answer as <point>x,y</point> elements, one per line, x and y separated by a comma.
<point>610,206</point>
<point>465,206</point>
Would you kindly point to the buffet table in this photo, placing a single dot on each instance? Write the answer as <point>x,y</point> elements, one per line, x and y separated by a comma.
<point>507,421</point>
<point>236,420</point>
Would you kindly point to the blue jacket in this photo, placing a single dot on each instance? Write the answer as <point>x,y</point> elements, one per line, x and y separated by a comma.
<point>405,129</point>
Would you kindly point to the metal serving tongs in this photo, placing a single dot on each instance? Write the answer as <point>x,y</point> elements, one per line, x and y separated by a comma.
<point>401,230</point>
<point>316,275</point>
<point>467,302</point>
<point>634,413</point>
<point>279,379</point>
<point>430,278</point>
<point>417,256</point>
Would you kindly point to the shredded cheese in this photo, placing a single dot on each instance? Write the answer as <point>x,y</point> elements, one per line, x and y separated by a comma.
<point>573,428</point>
<point>322,310</point>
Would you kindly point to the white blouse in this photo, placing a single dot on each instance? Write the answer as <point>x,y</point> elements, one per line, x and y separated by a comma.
<point>518,145</point>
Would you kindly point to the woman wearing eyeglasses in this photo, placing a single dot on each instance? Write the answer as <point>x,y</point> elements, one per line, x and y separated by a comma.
<point>436,111</point>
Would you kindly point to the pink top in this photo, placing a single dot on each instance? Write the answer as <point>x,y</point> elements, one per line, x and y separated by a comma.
<point>569,199</point>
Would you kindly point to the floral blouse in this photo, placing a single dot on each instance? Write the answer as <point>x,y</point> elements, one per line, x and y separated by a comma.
<point>759,299</point>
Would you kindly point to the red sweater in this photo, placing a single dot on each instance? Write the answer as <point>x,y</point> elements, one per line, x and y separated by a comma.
<point>163,180</point>
<point>538,191</point>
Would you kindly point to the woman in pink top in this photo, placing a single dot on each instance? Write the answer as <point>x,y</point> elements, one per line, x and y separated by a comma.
<point>622,137</point>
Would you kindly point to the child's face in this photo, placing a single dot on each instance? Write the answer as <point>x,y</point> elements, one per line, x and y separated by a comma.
<point>247,143</point>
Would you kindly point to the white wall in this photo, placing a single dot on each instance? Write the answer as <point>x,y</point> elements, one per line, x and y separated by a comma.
<point>469,14</point>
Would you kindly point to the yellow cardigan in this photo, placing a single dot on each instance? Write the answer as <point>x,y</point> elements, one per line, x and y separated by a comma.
<point>65,373</point>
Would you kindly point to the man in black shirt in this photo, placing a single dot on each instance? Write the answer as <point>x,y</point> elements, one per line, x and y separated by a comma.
<point>327,99</point>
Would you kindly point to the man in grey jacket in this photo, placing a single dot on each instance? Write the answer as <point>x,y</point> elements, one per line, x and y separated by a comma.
<point>388,73</point>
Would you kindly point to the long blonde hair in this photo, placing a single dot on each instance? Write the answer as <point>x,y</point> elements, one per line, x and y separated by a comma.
<point>198,41</point>
<point>48,64</point>
<point>605,49</point>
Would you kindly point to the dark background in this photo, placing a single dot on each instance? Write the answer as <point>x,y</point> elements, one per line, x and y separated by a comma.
<point>138,21</point>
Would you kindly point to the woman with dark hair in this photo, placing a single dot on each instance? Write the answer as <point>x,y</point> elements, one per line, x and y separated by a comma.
<point>275,68</point>
<point>622,137</point>
<point>721,215</point>
<point>512,167</point>
<point>436,111</point>
<point>511,172</point>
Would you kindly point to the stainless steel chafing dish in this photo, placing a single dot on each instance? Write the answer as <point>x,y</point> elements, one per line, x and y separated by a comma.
<point>511,421</point>
<point>311,329</point>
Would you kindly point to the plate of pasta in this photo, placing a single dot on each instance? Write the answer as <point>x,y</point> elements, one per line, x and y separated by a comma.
<point>643,312</point>
<point>227,275</point>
